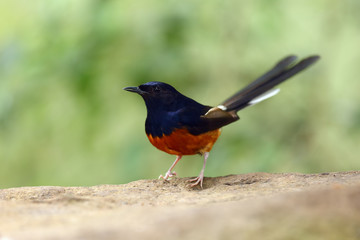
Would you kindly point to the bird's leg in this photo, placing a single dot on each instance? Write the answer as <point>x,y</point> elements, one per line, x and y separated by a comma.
<point>199,179</point>
<point>169,173</point>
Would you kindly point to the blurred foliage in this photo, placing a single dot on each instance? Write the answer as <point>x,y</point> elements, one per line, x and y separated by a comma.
<point>65,120</point>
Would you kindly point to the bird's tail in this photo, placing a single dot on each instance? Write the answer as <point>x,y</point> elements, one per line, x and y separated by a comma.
<point>262,88</point>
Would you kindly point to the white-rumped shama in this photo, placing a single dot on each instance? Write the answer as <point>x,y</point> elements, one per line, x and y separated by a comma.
<point>181,126</point>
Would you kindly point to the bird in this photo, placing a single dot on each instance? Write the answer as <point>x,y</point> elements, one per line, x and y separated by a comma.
<point>178,125</point>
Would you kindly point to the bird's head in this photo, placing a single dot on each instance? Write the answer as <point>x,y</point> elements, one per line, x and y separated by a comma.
<point>157,95</point>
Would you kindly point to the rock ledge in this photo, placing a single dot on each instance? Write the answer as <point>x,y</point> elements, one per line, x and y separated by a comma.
<point>248,206</point>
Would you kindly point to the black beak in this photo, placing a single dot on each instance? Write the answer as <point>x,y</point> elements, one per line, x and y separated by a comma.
<point>134,89</point>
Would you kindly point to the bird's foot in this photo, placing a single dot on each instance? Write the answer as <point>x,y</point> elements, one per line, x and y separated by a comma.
<point>197,181</point>
<point>168,175</point>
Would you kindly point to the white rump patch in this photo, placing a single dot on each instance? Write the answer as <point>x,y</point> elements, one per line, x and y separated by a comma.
<point>264,96</point>
<point>222,107</point>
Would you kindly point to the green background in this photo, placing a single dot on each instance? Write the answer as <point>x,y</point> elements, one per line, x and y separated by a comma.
<point>65,120</point>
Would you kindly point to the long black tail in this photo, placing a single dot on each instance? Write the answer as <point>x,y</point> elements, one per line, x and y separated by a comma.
<point>283,70</point>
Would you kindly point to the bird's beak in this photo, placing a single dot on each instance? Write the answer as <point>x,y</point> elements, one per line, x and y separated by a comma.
<point>134,89</point>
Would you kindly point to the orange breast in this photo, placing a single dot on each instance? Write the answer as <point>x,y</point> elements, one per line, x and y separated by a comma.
<point>181,142</point>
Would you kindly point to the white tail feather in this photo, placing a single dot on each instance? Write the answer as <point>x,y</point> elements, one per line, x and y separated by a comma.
<point>264,96</point>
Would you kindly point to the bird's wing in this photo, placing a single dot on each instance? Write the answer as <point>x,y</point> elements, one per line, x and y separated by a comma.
<point>207,119</point>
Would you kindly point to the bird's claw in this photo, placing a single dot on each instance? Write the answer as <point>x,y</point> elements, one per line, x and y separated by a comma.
<point>168,175</point>
<point>198,180</point>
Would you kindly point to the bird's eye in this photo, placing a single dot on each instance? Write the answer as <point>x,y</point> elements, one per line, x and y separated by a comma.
<point>157,89</point>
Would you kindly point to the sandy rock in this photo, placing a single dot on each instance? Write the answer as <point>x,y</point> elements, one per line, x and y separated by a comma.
<point>248,206</point>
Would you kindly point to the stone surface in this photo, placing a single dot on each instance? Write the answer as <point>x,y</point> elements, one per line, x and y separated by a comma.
<point>248,206</point>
